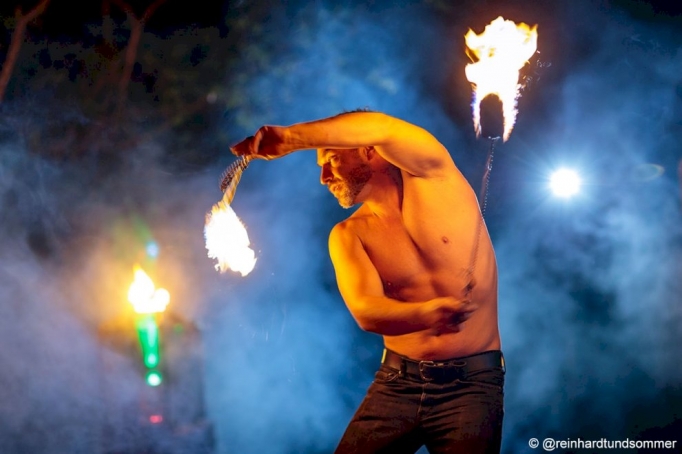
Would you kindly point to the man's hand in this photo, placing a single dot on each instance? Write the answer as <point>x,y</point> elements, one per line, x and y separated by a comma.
<point>268,143</point>
<point>448,313</point>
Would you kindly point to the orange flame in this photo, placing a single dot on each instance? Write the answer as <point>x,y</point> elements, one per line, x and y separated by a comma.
<point>498,54</point>
<point>145,298</point>
<point>227,240</point>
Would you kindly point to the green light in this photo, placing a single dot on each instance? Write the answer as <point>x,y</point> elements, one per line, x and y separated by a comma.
<point>152,360</point>
<point>154,378</point>
<point>148,333</point>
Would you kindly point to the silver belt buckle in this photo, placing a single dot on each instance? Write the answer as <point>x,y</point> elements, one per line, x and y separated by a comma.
<point>422,366</point>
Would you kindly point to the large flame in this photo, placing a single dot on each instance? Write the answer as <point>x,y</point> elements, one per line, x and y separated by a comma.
<point>145,298</point>
<point>498,54</point>
<point>227,240</point>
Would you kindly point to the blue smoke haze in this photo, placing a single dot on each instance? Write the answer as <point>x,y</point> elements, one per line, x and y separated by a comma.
<point>590,288</point>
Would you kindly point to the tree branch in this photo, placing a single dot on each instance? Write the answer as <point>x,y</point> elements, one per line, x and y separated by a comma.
<point>151,9</point>
<point>136,29</point>
<point>16,41</point>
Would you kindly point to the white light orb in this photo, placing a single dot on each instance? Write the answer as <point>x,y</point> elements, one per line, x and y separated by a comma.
<point>565,183</point>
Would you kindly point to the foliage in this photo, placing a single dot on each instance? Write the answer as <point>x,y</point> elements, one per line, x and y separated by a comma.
<point>66,90</point>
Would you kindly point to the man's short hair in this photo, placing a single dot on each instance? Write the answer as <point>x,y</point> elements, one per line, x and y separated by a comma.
<point>359,109</point>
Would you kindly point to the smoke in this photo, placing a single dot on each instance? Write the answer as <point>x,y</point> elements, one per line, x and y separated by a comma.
<point>589,288</point>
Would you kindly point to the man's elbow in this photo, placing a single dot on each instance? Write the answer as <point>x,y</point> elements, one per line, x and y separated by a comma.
<point>363,318</point>
<point>366,324</point>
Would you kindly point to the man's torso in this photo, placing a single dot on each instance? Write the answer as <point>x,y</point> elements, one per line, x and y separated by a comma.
<point>424,249</point>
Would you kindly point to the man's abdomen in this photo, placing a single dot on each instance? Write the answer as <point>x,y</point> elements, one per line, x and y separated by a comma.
<point>478,334</point>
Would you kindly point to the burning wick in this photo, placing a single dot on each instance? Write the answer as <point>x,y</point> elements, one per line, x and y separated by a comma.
<point>227,240</point>
<point>225,234</point>
<point>498,54</point>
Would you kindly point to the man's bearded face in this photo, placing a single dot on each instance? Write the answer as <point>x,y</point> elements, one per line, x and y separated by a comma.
<point>347,184</point>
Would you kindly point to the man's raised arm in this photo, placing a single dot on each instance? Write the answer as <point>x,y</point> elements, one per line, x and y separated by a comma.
<point>407,146</point>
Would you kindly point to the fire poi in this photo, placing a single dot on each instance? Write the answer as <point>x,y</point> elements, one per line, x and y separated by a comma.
<point>498,54</point>
<point>225,234</point>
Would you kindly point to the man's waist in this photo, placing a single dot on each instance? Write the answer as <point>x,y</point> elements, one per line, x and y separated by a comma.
<point>444,370</point>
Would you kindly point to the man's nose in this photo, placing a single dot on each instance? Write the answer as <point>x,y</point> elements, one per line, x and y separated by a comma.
<point>325,174</point>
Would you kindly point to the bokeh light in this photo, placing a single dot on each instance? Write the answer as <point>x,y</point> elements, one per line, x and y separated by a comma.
<point>565,183</point>
<point>154,378</point>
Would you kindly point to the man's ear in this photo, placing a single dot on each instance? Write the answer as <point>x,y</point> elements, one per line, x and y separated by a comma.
<point>369,152</point>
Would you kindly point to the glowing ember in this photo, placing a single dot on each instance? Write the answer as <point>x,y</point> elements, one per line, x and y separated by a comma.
<point>227,240</point>
<point>145,298</point>
<point>498,54</point>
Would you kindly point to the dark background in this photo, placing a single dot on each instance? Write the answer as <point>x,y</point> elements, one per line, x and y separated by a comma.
<point>106,146</point>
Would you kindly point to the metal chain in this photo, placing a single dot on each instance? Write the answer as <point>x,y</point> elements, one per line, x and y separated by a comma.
<point>486,175</point>
<point>233,170</point>
<point>479,225</point>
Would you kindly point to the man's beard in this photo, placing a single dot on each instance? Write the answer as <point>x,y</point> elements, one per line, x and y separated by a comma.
<point>353,185</point>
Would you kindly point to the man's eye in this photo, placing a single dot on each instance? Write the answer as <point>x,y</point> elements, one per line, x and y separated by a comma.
<point>334,159</point>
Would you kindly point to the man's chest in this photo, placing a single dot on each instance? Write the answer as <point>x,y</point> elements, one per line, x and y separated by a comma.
<point>399,260</point>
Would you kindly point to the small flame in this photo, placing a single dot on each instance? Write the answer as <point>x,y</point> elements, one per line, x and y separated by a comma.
<point>227,240</point>
<point>145,298</point>
<point>498,54</point>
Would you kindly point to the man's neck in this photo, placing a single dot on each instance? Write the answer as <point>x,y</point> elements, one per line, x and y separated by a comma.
<point>385,198</point>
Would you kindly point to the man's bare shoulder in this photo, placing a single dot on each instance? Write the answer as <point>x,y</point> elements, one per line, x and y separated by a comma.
<point>344,229</point>
<point>349,230</point>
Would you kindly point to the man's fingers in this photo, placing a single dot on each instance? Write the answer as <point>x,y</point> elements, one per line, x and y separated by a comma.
<point>245,147</point>
<point>468,306</point>
<point>238,150</point>
<point>465,313</point>
<point>454,327</point>
<point>464,316</point>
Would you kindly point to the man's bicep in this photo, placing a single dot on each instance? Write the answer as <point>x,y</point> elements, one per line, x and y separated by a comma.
<point>356,276</point>
<point>415,150</point>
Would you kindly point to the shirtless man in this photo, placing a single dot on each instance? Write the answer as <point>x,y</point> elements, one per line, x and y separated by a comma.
<point>414,263</point>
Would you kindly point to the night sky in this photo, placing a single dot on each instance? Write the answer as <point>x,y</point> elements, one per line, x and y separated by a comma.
<point>99,160</point>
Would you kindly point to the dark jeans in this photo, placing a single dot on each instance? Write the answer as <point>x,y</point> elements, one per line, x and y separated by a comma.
<point>402,412</point>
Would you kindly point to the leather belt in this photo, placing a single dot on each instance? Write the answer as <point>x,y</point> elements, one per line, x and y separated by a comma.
<point>443,370</point>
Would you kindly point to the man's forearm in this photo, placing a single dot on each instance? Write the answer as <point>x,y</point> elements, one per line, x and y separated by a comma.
<point>406,146</point>
<point>391,317</point>
<point>348,130</point>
